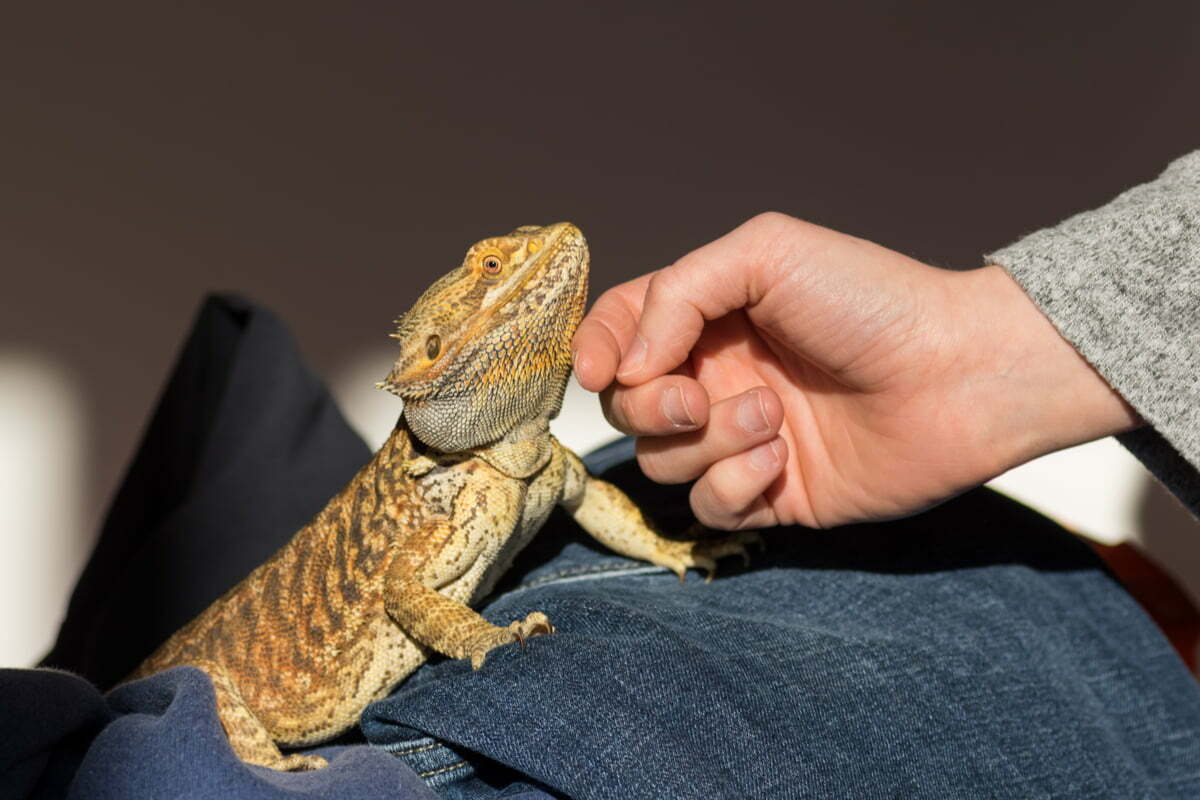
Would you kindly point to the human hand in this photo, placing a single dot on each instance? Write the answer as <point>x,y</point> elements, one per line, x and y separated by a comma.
<point>806,376</point>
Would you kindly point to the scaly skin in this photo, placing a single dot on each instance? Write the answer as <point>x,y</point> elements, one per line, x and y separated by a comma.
<point>385,573</point>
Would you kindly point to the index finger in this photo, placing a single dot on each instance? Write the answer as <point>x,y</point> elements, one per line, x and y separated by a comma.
<point>707,283</point>
<point>605,333</point>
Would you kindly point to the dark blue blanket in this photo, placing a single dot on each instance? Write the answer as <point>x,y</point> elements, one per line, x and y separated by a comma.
<point>159,737</point>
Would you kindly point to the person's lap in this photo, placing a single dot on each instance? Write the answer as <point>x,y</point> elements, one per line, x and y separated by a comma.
<point>975,649</point>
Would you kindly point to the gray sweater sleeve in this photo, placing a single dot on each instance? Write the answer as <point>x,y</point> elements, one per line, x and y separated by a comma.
<point>1122,284</point>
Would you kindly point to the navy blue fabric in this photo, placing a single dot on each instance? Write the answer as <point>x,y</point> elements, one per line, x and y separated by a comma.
<point>47,722</point>
<point>976,650</point>
<point>167,742</point>
<point>158,738</point>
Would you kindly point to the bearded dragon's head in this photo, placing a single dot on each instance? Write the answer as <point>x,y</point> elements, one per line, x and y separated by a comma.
<point>488,346</point>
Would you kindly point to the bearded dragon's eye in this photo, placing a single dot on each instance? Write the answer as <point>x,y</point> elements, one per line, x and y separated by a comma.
<point>433,346</point>
<point>492,265</point>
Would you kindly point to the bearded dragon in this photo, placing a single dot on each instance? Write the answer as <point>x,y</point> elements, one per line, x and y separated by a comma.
<point>385,573</point>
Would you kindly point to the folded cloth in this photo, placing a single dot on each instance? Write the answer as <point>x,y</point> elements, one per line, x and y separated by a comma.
<point>159,738</point>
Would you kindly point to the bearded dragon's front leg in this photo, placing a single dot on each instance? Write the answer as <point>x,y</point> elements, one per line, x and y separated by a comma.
<point>444,553</point>
<point>607,513</point>
<point>448,626</point>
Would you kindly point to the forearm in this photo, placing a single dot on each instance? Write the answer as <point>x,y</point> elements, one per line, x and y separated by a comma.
<point>1040,394</point>
<point>1122,285</point>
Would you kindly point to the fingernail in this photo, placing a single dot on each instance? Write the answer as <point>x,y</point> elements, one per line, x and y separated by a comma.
<point>752,414</point>
<point>765,457</point>
<point>635,357</point>
<point>674,408</point>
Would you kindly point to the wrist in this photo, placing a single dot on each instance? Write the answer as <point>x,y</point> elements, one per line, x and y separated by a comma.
<point>1039,393</point>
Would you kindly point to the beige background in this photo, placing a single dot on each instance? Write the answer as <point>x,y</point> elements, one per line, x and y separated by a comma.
<point>329,163</point>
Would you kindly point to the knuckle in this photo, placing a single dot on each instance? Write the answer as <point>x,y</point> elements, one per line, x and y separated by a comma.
<point>776,243</point>
<point>608,298</point>
<point>609,314</point>
<point>722,491</point>
<point>630,412</point>
<point>773,231</point>
<point>609,403</point>
<point>770,221</point>
<point>662,462</point>
<point>650,464</point>
<point>669,284</point>
<point>659,286</point>
<point>656,465</point>
<point>706,511</point>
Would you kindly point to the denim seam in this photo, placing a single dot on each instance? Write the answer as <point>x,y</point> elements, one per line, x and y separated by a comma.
<point>440,770</point>
<point>611,569</point>
<point>411,750</point>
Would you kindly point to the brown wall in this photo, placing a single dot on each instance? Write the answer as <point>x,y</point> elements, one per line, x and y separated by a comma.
<point>330,163</point>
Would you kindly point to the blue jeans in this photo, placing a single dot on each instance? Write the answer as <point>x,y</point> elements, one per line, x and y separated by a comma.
<point>975,650</point>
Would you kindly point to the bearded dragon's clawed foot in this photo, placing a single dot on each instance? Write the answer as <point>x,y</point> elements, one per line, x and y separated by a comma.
<point>248,736</point>
<point>535,624</point>
<point>611,517</point>
<point>739,541</point>
<point>678,556</point>
<point>299,763</point>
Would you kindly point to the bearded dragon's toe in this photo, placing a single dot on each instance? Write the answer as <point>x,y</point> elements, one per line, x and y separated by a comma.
<point>733,544</point>
<point>536,624</point>
<point>541,630</point>
<point>678,556</point>
<point>300,763</point>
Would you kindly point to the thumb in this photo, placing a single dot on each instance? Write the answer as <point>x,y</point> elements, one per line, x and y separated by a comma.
<point>706,284</point>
